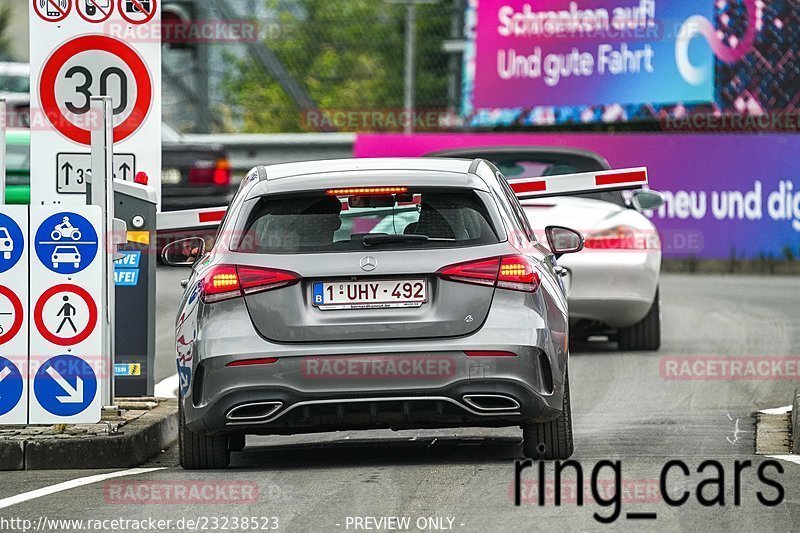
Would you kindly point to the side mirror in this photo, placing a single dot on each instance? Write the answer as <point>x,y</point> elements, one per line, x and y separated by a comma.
<point>646,200</point>
<point>563,240</point>
<point>184,253</point>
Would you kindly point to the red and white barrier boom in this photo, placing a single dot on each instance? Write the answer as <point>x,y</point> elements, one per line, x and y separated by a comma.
<point>190,219</point>
<point>563,185</point>
<point>586,182</point>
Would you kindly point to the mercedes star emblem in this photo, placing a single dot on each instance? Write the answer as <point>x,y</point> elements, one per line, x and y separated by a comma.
<point>369,264</point>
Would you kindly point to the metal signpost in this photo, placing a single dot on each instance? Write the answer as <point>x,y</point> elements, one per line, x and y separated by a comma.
<point>77,53</point>
<point>102,194</point>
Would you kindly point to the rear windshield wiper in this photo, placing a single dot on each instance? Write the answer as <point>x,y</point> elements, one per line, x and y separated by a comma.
<point>384,238</point>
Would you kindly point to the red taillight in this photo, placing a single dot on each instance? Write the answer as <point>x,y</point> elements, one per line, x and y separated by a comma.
<point>517,273</point>
<point>480,272</point>
<point>224,282</point>
<point>623,238</point>
<point>141,178</point>
<point>222,174</point>
<point>369,191</point>
<point>489,353</point>
<point>254,280</point>
<point>205,172</point>
<point>513,272</point>
<point>257,361</point>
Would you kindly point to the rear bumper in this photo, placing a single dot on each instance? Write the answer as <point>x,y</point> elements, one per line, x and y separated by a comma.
<point>615,288</point>
<point>282,410</point>
<point>400,383</point>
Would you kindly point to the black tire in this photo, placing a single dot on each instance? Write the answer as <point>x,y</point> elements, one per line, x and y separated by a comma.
<point>551,440</point>
<point>201,452</point>
<point>645,335</point>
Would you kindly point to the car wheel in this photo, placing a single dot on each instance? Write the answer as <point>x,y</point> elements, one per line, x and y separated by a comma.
<point>200,452</point>
<point>644,335</point>
<point>551,440</point>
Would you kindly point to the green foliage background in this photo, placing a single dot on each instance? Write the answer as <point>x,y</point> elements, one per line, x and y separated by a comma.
<point>348,54</point>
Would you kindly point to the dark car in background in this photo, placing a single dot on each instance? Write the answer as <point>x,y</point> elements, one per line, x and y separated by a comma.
<point>193,175</point>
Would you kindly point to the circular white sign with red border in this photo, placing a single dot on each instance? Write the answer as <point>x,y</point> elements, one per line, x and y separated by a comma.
<point>137,11</point>
<point>52,10</point>
<point>65,314</point>
<point>95,11</point>
<point>10,317</point>
<point>93,65</point>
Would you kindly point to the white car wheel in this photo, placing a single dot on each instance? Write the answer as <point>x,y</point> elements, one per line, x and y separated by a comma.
<point>645,335</point>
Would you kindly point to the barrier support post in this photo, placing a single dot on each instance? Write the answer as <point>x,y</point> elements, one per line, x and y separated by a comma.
<point>102,190</point>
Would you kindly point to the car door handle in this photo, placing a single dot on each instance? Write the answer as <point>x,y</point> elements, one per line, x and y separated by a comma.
<point>184,283</point>
<point>561,271</point>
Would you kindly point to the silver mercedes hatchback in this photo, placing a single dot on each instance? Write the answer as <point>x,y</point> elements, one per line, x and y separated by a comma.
<point>367,294</point>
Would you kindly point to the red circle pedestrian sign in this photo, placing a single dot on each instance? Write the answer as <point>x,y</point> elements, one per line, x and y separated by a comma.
<point>137,11</point>
<point>93,65</point>
<point>52,10</point>
<point>10,314</point>
<point>65,314</point>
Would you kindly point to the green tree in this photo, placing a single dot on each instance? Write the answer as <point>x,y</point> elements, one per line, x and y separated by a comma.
<point>348,55</point>
<point>5,23</point>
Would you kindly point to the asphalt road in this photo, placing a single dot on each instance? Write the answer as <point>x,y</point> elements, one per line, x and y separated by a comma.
<point>624,410</point>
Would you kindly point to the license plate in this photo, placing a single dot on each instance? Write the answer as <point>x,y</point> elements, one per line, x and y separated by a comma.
<point>370,294</point>
<point>171,176</point>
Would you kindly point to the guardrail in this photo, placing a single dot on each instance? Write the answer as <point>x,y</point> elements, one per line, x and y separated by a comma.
<point>248,150</point>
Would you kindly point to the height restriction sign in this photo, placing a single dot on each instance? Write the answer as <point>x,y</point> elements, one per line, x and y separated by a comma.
<point>92,48</point>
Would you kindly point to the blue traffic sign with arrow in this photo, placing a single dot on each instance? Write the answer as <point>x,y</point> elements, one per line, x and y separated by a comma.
<point>65,385</point>
<point>10,386</point>
<point>66,243</point>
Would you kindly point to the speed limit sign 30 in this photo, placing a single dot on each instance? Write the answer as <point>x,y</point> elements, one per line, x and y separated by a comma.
<point>95,64</point>
<point>80,57</point>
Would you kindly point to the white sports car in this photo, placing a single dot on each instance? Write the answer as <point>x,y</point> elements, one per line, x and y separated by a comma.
<point>612,285</point>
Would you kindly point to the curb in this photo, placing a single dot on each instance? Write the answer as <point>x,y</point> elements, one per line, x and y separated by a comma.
<point>136,442</point>
<point>796,422</point>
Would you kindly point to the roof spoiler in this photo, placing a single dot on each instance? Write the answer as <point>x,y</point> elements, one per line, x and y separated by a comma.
<point>585,182</point>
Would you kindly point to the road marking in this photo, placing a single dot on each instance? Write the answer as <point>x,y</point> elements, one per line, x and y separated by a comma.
<point>71,484</point>
<point>791,458</point>
<point>777,410</point>
<point>167,387</point>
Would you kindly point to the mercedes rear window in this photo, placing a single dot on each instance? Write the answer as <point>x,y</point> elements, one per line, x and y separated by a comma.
<point>345,220</point>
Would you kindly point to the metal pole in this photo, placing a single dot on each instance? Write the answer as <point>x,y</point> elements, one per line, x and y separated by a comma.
<point>411,49</point>
<point>103,195</point>
<point>3,118</point>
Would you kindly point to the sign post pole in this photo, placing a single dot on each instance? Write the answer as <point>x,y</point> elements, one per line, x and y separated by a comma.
<point>3,118</point>
<point>102,189</point>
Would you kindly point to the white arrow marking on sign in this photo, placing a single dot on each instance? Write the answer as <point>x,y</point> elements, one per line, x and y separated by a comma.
<point>4,373</point>
<point>74,395</point>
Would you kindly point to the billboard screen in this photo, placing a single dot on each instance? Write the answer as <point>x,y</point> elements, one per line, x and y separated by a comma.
<point>543,62</point>
<point>721,198</point>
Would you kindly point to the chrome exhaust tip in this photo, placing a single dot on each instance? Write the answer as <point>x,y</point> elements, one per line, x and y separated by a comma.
<point>254,412</point>
<point>493,403</point>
